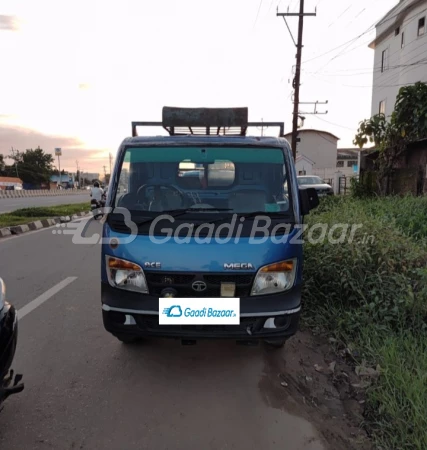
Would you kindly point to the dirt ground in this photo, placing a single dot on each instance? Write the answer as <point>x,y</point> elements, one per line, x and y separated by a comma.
<point>310,380</point>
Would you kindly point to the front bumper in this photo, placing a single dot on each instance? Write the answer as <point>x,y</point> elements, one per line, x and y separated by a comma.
<point>137,314</point>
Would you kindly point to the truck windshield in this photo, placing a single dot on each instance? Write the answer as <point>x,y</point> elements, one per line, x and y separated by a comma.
<point>208,179</point>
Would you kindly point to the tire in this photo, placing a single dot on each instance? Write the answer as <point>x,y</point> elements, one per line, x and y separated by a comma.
<point>127,338</point>
<point>276,343</point>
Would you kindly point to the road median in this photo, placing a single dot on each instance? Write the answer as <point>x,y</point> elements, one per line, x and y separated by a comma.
<point>41,193</point>
<point>31,219</point>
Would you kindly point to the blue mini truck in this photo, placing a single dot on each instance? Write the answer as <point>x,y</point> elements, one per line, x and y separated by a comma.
<point>202,232</point>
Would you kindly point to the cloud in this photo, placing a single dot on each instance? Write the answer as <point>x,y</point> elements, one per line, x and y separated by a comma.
<point>72,148</point>
<point>9,23</point>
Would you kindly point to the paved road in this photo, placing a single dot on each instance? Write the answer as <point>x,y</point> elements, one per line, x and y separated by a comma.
<point>10,204</point>
<point>86,390</point>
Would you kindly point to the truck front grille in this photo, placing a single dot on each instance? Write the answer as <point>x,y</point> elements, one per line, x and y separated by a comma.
<point>182,283</point>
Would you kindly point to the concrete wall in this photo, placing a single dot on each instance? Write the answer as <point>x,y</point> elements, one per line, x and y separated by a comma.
<point>403,66</point>
<point>330,172</point>
<point>41,193</point>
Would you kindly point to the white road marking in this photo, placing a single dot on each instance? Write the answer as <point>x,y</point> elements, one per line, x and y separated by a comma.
<point>29,307</point>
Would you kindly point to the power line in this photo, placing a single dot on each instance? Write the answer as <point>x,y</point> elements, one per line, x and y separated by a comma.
<point>398,66</point>
<point>296,82</point>
<point>335,124</point>
<point>257,14</point>
<point>408,20</point>
<point>379,87</point>
<point>371,28</point>
<point>333,22</point>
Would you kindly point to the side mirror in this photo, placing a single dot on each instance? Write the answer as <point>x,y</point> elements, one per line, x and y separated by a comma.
<point>2,294</point>
<point>308,200</point>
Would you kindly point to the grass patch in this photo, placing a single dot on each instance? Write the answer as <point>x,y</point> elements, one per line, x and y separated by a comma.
<point>26,215</point>
<point>373,296</point>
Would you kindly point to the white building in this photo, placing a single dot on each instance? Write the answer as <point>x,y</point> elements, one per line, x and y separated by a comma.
<point>400,53</point>
<point>318,146</point>
<point>304,165</point>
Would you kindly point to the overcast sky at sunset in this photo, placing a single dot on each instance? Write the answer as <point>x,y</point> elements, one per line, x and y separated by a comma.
<point>75,74</point>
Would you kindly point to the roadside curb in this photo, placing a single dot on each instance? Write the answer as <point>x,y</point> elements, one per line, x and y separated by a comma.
<point>39,224</point>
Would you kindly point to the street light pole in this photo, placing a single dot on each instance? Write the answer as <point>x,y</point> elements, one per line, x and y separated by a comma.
<point>58,153</point>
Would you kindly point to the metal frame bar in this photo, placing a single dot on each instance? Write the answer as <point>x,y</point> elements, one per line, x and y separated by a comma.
<point>171,130</point>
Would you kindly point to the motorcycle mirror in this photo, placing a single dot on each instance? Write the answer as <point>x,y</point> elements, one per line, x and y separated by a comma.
<point>2,294</point>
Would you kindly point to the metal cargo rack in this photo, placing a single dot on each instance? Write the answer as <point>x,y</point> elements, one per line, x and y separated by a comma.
<point>206,122</point>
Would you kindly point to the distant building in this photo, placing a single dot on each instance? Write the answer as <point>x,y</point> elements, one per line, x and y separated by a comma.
<point>400,48</point>
<point>90,176</point>
<point>317,145</point>
<point>66,180</point>
<point>347,161</point>
<point>12,183</point>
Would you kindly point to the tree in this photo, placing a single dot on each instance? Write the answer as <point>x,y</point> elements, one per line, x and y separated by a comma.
<point>408,123</point>
<point>2,165</point>
<point>34,166</point>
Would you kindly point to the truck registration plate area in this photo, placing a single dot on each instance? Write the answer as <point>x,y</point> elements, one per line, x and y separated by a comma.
<point>199,311</point>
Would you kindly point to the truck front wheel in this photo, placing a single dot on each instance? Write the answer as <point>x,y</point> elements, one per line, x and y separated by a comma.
<point>275,343</point>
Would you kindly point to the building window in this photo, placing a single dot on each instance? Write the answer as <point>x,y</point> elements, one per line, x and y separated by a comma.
<point>351,163</point>
<point>421,26</point>
<point>340,163</point>
<point>382,107</point>
<point>397,31</point>
<point>384,60</point>
<point>402,41</point>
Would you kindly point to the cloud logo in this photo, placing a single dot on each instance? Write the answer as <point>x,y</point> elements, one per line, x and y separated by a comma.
<point>173,311</point>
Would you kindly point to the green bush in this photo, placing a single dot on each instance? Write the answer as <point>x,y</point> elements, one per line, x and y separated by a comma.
<point>372,294</point>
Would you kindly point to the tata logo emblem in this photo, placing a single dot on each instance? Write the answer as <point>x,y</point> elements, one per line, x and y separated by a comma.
<point>199,286</point>
<point>238,266</point>
<point>152,265</point>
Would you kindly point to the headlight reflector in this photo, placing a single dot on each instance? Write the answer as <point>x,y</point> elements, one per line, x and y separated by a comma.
<point>275,278</point>
<point>126,275</point>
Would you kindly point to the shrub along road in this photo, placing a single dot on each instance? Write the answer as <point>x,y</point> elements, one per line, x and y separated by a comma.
<point>26,215</point>
<point>372,297</point>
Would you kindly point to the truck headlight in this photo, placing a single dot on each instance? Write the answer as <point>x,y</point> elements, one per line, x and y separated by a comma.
<point>275,278</point>
<point>126,275</point>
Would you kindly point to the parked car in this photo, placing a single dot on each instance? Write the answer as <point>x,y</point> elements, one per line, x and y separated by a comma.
<point>312,181</point>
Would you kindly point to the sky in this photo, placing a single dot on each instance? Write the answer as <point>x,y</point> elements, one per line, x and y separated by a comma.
<point>75,74</point>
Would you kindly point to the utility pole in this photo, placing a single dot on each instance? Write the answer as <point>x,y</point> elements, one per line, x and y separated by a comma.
<point>262,127</point>
<point>78,174</point>
<point>111,159</point>
<point>105,173</point>
<point>16,163</point>
<point>58,153</point>
<point>296,81</point>
<point>315,107</point>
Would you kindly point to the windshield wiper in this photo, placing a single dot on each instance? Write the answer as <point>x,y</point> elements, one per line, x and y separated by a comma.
<point>180,212</point>
<point>264,213</point>
<point>254,214</point>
